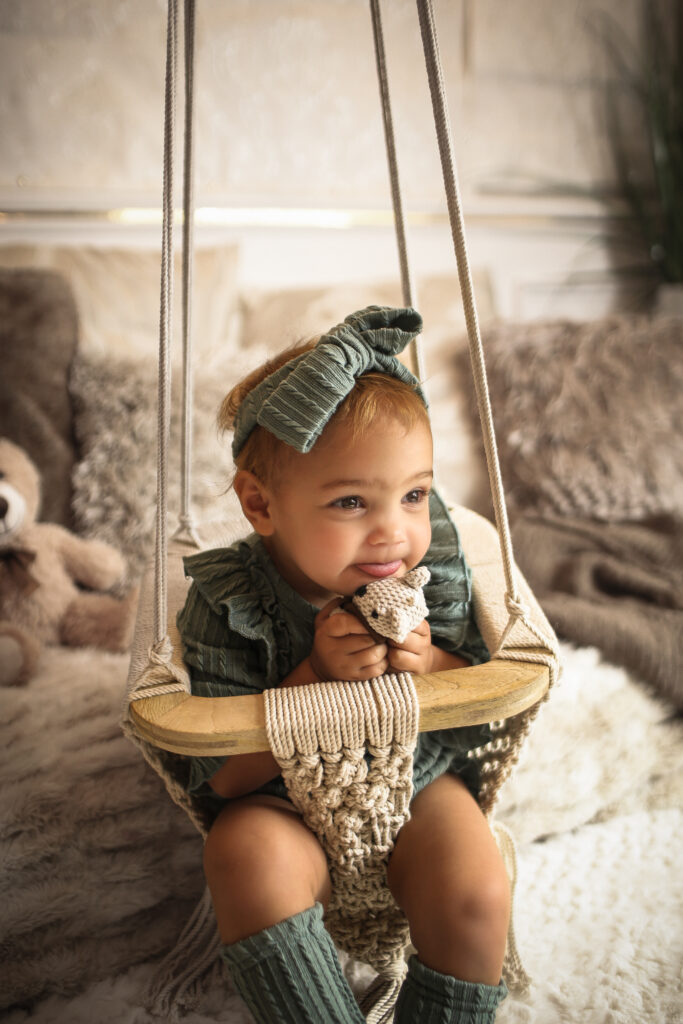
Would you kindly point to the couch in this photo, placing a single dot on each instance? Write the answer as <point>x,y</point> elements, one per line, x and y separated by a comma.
<point>100,870</point>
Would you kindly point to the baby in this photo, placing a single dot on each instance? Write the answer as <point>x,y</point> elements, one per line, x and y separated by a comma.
<point>333,455</point>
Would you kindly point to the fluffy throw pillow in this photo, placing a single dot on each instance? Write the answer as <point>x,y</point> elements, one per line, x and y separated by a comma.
<point>588,415</point>
<point>115,418</point>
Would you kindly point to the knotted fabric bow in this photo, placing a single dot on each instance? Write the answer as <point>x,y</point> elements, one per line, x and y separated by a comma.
<point>296,402</point>
<point>17,562</point>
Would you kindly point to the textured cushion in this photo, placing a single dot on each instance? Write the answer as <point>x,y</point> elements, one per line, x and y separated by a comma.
<point>588,415</point>
<point>38,336</point>
<point>115,420</point>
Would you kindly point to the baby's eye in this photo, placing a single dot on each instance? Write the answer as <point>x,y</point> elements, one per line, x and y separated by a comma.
<point>350,502</point>
<point>416,496</point>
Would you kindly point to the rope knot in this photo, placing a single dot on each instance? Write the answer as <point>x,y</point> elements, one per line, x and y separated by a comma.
<point>515,607</point>
<point>161,651</point>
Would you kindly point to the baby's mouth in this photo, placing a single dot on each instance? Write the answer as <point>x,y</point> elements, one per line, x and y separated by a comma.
<point>379,569</point>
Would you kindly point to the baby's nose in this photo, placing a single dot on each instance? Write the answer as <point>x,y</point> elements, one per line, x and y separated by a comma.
<point>387,530</point>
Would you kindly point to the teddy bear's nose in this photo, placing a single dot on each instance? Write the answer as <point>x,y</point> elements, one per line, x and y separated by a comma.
<point>3,507</point>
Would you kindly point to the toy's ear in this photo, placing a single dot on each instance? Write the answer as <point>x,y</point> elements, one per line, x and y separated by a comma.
<point>417,577</point>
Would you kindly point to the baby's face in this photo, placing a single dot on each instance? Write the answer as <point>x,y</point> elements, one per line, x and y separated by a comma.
<point>350,512</point>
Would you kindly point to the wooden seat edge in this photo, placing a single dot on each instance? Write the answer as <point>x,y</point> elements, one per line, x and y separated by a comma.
<point>218,726</point>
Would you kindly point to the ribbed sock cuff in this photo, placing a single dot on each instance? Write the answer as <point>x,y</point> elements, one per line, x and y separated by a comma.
<point>428,997</point>
<point>290,974</point>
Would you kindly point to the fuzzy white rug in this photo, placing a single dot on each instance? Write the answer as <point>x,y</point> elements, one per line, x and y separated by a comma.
<point>599,927</point>
<point>599,902</point>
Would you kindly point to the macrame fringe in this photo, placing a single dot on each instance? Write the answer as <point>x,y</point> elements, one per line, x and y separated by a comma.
<point>379,1000</point>
<point>181,977</point>
<point>514,975</point>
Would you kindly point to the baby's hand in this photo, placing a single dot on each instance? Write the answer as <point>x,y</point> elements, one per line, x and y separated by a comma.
<point>343,648</point>
<point>415,654</point>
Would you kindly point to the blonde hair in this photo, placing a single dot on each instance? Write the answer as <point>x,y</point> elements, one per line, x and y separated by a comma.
<point>374,395</point>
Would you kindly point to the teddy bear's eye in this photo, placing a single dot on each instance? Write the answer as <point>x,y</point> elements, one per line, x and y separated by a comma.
<point>2,475</point>
<point>374,613</point>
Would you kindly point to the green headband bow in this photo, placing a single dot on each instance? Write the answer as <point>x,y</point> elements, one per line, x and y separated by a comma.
<point>296,402</point>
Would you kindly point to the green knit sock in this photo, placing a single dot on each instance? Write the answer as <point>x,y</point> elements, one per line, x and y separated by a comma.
<point>290,974</point>
<point>428,997</point>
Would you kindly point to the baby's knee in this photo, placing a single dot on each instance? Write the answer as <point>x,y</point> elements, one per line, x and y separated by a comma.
<point>254,854</point>
<point>243,845</point>
<point>470,914</point>
<point>484,909</point>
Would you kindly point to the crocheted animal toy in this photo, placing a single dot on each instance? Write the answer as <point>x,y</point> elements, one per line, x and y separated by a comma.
<point>51,581</point>
<point>391,608</point>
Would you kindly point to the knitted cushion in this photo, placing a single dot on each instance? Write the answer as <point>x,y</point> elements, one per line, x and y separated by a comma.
<point>587,415</point>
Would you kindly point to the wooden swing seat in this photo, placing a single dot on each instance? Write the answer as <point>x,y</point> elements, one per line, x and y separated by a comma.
<point>215,726</point>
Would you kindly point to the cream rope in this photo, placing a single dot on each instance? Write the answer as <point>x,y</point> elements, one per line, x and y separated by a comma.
<point>407,283</point>
<point>186,529</point>
<point>516,609</point>
<point>515,976</point>
<point>165,335</point>
<point>160,645</point>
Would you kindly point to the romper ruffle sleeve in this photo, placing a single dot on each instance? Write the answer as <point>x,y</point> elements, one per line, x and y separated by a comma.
<point>243,630</point>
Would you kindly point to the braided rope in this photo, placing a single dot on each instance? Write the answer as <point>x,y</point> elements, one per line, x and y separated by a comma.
<point>354,804</point>
<point>186,525</point>
<point>166,313</point>
<point>444,137</point>
<point>407,283</point>
<point>165,335</point>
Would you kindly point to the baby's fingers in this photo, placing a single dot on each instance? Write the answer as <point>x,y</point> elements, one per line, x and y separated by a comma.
<point>342,624</point>
<point>406,661</point>
<point>363,646</point>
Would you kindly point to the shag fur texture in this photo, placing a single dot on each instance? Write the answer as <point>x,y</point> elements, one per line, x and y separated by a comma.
<point>115,418</point>
<point>100,868</point>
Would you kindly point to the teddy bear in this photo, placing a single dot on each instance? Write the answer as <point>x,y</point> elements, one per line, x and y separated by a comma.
<point>52,583</point>
<point>391,607</point>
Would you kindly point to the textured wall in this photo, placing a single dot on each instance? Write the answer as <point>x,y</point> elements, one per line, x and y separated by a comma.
<point>287,108</point>
<point>288,115</point>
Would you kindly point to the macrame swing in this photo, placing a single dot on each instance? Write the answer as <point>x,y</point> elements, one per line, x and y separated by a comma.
<point>319,733</point>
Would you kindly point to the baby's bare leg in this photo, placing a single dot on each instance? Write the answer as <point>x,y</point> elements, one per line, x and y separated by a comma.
<point>262,866</point>
<point>447,875</point>
<point>269,882</point>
